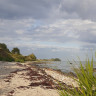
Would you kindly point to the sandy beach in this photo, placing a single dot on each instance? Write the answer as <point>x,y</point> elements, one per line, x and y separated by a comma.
<point>23,79</point>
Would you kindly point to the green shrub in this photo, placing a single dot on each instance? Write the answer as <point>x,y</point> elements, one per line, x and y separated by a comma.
<point>55,59</point>
<point>5,56</point>
<point>15,51</point>
<point>30,57</point>
<point>4,47</point>
<point>14,55</point>
<point>86,81</point>
<point>18,57</point>
<point>19,60</point>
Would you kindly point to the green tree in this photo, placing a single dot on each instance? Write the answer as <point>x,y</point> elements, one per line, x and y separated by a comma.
<point>4,47</point>
<point>30,57</point>
<point>18,57</point>
<point>5,56</point>
<point>16,51</point>
<point>55,59</point>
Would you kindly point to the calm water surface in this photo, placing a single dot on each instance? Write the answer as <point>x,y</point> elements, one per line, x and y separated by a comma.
<point>64,66</point>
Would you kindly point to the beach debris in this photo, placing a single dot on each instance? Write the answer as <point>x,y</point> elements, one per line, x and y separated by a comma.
<point>33,77</point>
<point>11,93</point>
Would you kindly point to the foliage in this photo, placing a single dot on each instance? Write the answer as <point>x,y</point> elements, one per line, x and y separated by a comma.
<point>15,51</point>
<point>86,81</point>
<point>5,56</point>
<point>18,57</point>
<point>14,55</point>
<point>4,47</point>
<point>30,57</point>
<point>55,59</point>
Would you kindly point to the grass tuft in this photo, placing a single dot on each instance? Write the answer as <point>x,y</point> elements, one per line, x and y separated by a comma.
<point>86,81</point>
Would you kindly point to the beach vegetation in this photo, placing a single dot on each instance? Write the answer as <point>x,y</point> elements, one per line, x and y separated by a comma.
<point>4,47</point>
<point>86,81</point>
<point>30,57</point>
<point>5,56</point>
<point>18,57</point>
<point>55,59</point>
<point>15,51</point>
<point>14,55</point>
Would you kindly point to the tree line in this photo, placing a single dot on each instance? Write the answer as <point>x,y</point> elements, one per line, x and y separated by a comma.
<point>14,55</point>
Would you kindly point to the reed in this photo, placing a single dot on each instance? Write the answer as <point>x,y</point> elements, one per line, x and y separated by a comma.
<point>86,81</point>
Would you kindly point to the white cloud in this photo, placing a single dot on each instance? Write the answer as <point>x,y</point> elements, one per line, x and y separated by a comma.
<point>19,32</point>
<point>94,32</point>
<point>60,31</point>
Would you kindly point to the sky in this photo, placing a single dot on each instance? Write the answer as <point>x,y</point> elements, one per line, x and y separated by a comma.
<point>64,29</point>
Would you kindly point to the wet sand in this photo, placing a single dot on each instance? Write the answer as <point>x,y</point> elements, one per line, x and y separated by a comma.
<point>21,79</point>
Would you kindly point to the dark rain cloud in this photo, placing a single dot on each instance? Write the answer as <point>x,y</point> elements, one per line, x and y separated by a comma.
<point>38,9</point>
<point>84,8</point>
<point>41,9</point>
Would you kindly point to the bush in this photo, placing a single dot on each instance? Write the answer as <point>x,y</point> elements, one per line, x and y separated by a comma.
<point>55,59</point>
<point>86,81</point>
<point>31,57</point>
<point>19,60</point>
<point>14,55</point>
<point>4,47</point>
<point>5,56</point>
<point>18,57</point>
<point>15,51</point>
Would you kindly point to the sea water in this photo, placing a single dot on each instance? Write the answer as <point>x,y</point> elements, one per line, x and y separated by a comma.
<point>63,66</point>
